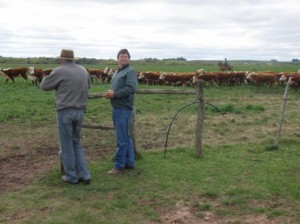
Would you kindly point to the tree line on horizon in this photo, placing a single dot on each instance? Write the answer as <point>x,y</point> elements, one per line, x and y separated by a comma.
<point>93,61</point>
<point>86,61</point>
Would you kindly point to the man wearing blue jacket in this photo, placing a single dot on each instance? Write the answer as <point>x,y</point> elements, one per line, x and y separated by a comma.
<point>121,94</point>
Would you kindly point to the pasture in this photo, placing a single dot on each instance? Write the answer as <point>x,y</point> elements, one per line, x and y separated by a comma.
<point>240,179</point>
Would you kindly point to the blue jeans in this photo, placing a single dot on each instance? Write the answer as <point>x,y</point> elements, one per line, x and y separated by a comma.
<point>72,155</point>
<point>124,152</point>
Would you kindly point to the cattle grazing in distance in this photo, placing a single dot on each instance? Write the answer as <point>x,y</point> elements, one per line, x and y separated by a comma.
<point>12,73</point>
<point>221,78</point>
<point>218,78</point>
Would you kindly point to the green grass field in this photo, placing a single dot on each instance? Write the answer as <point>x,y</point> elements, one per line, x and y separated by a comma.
<point>240,179</point>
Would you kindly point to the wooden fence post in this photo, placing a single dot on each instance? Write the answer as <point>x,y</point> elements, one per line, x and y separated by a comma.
<point>200,119</point>
<point>281,114</point>
<point>133,132</point>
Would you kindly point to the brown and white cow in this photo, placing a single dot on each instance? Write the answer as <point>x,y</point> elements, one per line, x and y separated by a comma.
<point>35,75</point>
<point>187,77</point>
<point>110,74</point>
<point>95,74</point>
<point>172,79</point>
<point>12,73</point>
<point>285,76</point>
<point>269,78</point>
<point>207,77</point>
<point>149,77</point>
<point>294,80</point>
<point>101,75</point>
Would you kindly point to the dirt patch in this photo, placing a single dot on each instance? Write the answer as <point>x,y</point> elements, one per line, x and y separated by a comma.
<point>20,170</point>
<point>185,216</point>
<point>27,152</point>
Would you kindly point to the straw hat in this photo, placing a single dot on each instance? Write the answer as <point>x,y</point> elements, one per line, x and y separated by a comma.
<point>67,54</point>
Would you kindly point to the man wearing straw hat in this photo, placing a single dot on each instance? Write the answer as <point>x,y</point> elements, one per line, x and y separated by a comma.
<point>71,83</point>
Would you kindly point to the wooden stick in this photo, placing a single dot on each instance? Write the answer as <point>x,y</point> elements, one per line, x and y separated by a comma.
<point>282,114</point>
<point>200,120</point>
<point>149,91</point>
<point>97,127</point>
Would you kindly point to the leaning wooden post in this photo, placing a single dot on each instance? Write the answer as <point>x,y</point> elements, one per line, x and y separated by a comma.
<point>281,114</point>
<point>132,131</point>
<point>200,119</point>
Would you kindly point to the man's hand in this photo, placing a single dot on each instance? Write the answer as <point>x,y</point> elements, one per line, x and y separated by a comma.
<point>109,94</point>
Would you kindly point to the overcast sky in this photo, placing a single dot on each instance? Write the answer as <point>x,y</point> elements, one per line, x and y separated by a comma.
<point>193,29</point>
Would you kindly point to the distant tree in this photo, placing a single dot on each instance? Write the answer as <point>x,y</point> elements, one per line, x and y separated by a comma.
<point>181,59</point>
<point>295,60</point>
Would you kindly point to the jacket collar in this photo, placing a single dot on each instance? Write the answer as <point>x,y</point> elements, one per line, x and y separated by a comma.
<point>125,66</point>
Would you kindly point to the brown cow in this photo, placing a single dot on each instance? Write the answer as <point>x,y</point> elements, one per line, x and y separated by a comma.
<point>47,72</point>
<point>12,73</point>
<point>188,77</point>
<point>294,80</point>
<point>98,74</point>
<point>110,74</point>
<point>258,78</point>
<point>225,77</point>
<point>172,79</point>
<point>239,77</point>
<point>149,77</point>
<point>207,77</point>
<point>105,78</point>
<point>285,76</point>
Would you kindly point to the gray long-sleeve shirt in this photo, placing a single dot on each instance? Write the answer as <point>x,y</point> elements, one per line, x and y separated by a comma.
<point>71,83</point>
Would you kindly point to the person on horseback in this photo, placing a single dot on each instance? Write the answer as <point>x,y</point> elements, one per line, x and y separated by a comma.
<point>225,63</point>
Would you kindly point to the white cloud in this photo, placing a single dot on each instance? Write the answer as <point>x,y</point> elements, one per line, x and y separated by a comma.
<point>194,29</point>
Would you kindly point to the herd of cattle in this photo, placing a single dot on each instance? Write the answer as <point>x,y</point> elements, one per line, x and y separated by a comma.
<point>36,75</point>
<point>268,78</point>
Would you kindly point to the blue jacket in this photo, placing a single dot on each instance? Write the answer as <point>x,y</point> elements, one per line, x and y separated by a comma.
<point>124,84</point>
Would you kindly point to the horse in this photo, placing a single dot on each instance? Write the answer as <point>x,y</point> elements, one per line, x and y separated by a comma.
<point>224,67</point>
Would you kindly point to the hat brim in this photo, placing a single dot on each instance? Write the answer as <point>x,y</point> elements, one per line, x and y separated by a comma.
<point>75,58</point>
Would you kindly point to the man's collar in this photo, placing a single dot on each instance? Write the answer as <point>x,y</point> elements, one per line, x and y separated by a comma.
<point>125,66</point>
